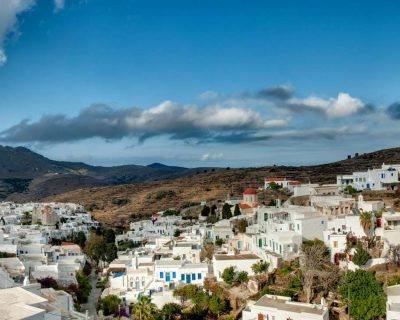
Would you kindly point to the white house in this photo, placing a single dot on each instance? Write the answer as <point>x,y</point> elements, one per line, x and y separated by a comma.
<point>242,262</point>
<point>272,307</point>
<point>393,302</point>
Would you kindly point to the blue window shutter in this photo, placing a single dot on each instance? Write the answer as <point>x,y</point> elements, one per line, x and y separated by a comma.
<point>182,277</point>
<point>161,275</point>
<point>174,274</point>
<point>199,276</point>
<point>193,276</point>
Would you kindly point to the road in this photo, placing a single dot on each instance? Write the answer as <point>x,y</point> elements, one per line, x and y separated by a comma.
<point>93,297</point>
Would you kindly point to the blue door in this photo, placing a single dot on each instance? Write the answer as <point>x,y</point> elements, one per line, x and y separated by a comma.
<point>188,278</point>
<point>167,277</point>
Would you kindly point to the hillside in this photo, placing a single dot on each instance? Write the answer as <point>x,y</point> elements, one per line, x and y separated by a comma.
<point>119,204</point>
<point>26,175</point>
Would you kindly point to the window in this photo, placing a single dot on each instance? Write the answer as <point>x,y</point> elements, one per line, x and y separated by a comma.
<point>182,277</point>
<point>199,276</point>
<point>161,275</point>
<point>173,274</point>
<point>335,244</point>
<point>193,276</point>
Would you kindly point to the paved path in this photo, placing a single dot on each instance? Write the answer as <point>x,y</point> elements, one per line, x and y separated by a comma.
<point>93,297</point>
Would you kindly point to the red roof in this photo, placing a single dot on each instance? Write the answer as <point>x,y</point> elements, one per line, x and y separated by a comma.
<point>250,191</point>
<point>244,206</point>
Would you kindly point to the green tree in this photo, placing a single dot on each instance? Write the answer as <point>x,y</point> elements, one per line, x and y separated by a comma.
<point>84,287</point>
<point>241,277</point>
<point>226,211</point>
<point>260,267</point>
<point>350,190</point>
<point>144,309</point>
<point>80,239</point>
<point>186,292</point>
<point>228,275</point>
<point>216,305</point>
<point>109,235</point>
<point>177,233</point>
<point>110,304</point>
<point>205,211</point>
<point>241,225</point>
<point>366,220</point>
<point>95,248</point>
<point>274,186</point>
<point>363,294</point>
<point>111,252</point>
<point>219,242</point>
<point>361,256</point>
<point>171,311</point>
<point>236,211</point>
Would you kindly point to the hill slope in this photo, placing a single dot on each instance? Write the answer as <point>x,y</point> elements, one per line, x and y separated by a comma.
<point>119,204</point>
<point>26,175</point>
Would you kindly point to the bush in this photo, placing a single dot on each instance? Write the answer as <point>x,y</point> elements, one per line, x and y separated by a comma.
<point>228,275</point>
<point>110,304</point>
<point>361,256</point>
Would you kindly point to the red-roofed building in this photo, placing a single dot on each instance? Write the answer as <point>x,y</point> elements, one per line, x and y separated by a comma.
<point>250,198</point>
<point>282,182</point>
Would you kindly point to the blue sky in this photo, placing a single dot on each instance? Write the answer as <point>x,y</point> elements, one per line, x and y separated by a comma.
<point>199,82</point>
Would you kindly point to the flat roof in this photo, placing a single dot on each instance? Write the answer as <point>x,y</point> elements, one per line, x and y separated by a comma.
<point>283,303</point>
<point>248,256</point>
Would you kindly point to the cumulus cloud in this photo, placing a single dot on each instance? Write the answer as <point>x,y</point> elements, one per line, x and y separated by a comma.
<point>171,119</point>
<point>9,12</point>
<point>342,106</point>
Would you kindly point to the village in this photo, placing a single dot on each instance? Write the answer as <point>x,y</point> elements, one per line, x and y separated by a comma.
<point>323,253</point>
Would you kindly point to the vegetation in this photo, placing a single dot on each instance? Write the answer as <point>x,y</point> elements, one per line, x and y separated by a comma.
<point>171,212</point>
<point>79,239</point>
<point>110,304</point>
<point>219,242</point>
<point>274,186</point>
<point>144,309</point>
<point>170,311</point>
<point>205,211</point>
<point>241,225</point>
<point>6,255</point>
<point>129,244</point>
<point>231,276</point>
<point>363,294</point>
<point>48,282</point>
<point>236,211</point>
<point>366,220</point>
<point>177,233</point>
<point>226,211</point>
<point>350,190</point>
<point>361,256</point>
<point>84,287</point>
<point>260,267</point>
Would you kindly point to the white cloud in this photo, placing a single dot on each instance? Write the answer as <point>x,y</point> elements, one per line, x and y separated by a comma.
<point>209,95</point>
<point>211,156</point>
<point>59,5</point>
<point>342,106</point>
<point>9,11</point>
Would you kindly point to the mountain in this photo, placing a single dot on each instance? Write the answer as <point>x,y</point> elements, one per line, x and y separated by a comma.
<point>26,175</point>
<point>120,204</point>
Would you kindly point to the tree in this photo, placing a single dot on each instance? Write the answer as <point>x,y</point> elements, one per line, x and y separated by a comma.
<point>366,220</point>
<point>80,239</point>
<point>241,225</point>
<point>317,271</point>
<point>111,252</point>
<point>26,218</point>
<point>205,211</point>
<point>207,252</point>
<point>177,233</point>
<point>236,211</point>
<point>363,294</point>
<point>95,248</point>
<point>110,304</point>
<point>226,211</point>
<point>48,282</point>
<point>350,190</point>
<point>186,292</point>
<point>144,309</point>
<point>361,256</point>
<point>260,267</point>
<point>84,287</point>
<point>171,311</point>
<point>219,242</point>
<point>216,305</point>
<point>274,186</point>
<point>228,275</point>
<point>213,209</point>
<point>241,277</point>
<point>109,235</point>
